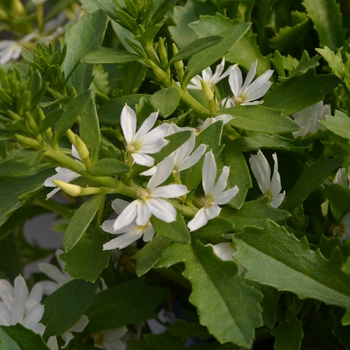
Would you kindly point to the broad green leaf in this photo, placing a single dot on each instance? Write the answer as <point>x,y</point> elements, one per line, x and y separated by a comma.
<point>300,92</point>
<point>327,19</point>
<point>109,167</point>
<point>207,57</point>
<point>260,119</point>
<point>165,101</point>
<point>261,141</point>
<point>162,10</point>
<point>110,112</point>
<point>334,60</point>
<point>115,307</point>
<point>81,221</point>
<point>90,129</point>
<point>87,259</point>
<point>338,124</point>
<point>150,254</point>
<point>20,338</point>
<point>211,136</point>
<point>176,231</point>
<point>65,306</point>
<point>239,174</point>
<point>289,334</point>
<point>194,47</point>
<point>108,7</point>
<point>310,179</point>
<point>110,56</point>
<point>186,330</point>
<point>50,119</point>
<point>71,113</point>
<point>14,191</point>
<point>84,36</point>
<point>339,200</point>
<point>215,228</point>
<point>254,213</point>
<point>181,33</point>
<point>244,52</point>
<point>24,163</point>
<point>227,318</point>
<point>275,257</point>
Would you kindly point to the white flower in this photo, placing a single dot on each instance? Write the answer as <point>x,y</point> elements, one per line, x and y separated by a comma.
<point>11,49</point>
<point>17,305</point>
<point>262,172</point>
<point>249,92</point>
<point>182,157</point>
<point>343,230</point>
<point>131,232</point>
<point>223,250</point>
<point>342,177</point>
<point>110,339</point>
<point>308,119</point>
<point>63,174</point>
<point>151,200</point>
<point>143,142</point>
<point>214,194</point>
<point>225,118</point>
<point>209,78</point>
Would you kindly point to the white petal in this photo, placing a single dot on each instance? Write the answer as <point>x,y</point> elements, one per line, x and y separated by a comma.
<point>7,293</point>
<point>142,159</point>
<point>208,172</point>
<point>193,158</point>
<point>235,80</point>
<point>261,171</point>
<point>21,289</point>
<point>128,123</point>
<point>277,200</point>
<point>150,144</point>
<point>36,293</point>
<point>52,343</point>
<point>54,273</point>
<point>162,209</point>
<point>224,251</point>
<point>38,328</point>
<point>34,316</point>
<point>170,191</point>
<point>221,183</point>
<point>226,196</point>
<point>199,220</point>
<point>119,205</point>
<point>67,337</point>
<point>49,287</point>
<point>123,240</point>
<point>250,76</point>
<point>18,309</point>
<point>148,233</point>
<point>80,325</point>
<point>143,213</point>
<point>163,171</point>
<point>213,211</point>
<point>207,74</point>
<point>146,126</point>
<point>127,216</point>
<point>184,150</point>
<point>5,315</point>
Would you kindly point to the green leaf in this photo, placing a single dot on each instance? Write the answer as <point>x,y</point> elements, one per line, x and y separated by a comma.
<point>109,167</point>
<point>87,259</point>
<point>115,307</point>
<point>148,256</point>
<point>260,119</point>
<point>176,231</point>
<point>345,320</point>
<point>339,330</point>
<point>244,52</point>
<point>165,101</point>
<point>195,46</point>
<point>215,228</point>
<point>300,92</point>
<point>207,57</point>
<point>164,341</point>
<point>90,129</point>
<point>239,173</point>
<point>288,335</point>
<point>14,191</point>
<point>254,213</point>
<point>310,179</point>
<point>327,20</point>
<point>338,124</point>
<point>71,113</point>
<point>110,56</point>
<point>211,136</point>
<point>275,257</point>
<point>20,338</point>
<point>186,330</point>
<point>339,200</point>
<point>335,61</point>
<point>108,7</point>
<point>65,306</point>
<point>84,36</point>
<point>228,318</point>
<point>81,221</point>
<point>161,11</point>
<point>110,112</point>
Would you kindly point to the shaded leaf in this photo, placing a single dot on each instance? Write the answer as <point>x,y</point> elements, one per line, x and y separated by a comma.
<point>165,101</point>
<point>109,167</point>
<point>110,56</point>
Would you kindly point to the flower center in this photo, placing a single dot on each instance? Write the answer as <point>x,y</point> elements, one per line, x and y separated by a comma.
<point>99,338</point>
<point>142,193</point>
<point>239,99</point>
<point>206,202</point>
<point>133,147</point>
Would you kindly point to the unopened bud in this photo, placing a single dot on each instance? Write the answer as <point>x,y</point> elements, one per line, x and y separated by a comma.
<point>163,54</point>
<point>81,148</point>
<point>27,142</point>
<point>75,190</point>
<point>160,74</point>
<point>208,93</point>
<point>179,65</point>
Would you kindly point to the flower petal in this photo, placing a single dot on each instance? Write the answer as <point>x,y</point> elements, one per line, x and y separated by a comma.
<point>162,209</point>
<point>146,126</point>
<point>193,158</point>
<point>170,191</point>
<point>127,216</point>
<point>143,213</point>
<point>261,171</point>
<point>226,196</point>
<point>208,172</point>
<point>128,123</point>
<point>199,220</point>
<point>163,171</point>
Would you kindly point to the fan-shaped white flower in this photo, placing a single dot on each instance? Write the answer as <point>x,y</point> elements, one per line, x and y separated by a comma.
<point>342,177</point>
<point>209,78</point>
<point>262,172</point>
<point>151,200</point>
<point>214,193</point>
<point>110,339</point>
<point>248,92</point>
<point>63,174</point>
<point>17,305</point>
<point>308,119</point>
<point>145,141</point>
<point>129,233</point>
